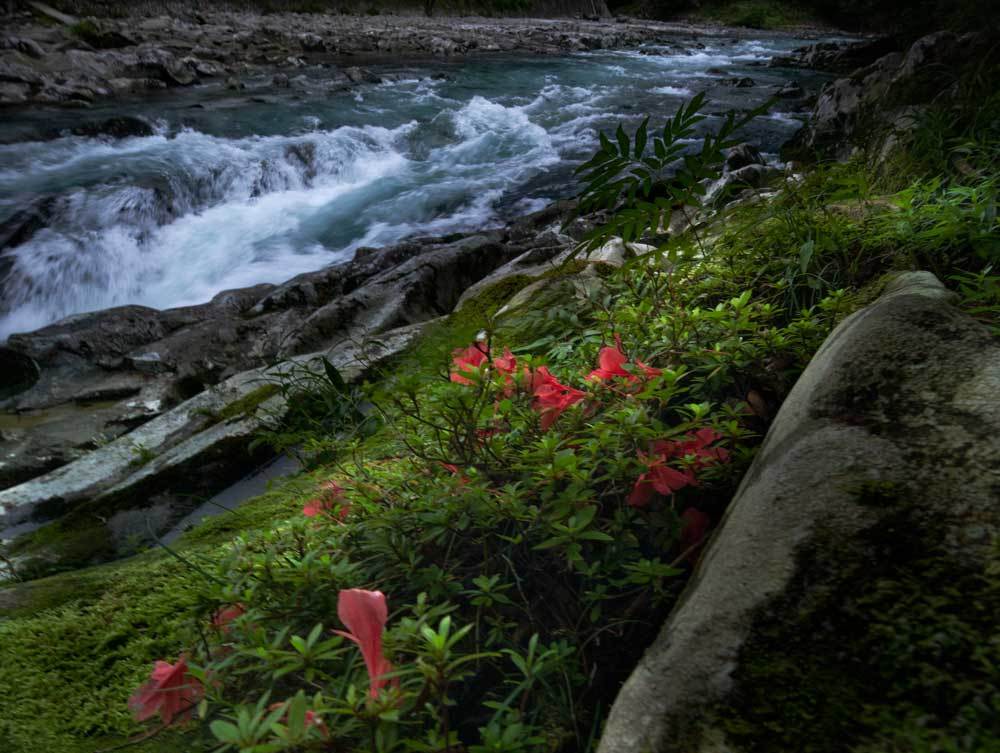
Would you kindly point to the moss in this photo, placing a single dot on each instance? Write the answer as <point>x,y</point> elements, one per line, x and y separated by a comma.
<point>899,650</point>
<point>247,404</point>
<point>74,646</point>
<point>62,545</point>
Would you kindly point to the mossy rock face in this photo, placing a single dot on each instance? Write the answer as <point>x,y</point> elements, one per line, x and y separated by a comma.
<point>848,601</point>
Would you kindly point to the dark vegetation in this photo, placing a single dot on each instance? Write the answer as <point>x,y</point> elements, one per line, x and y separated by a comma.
<point>506,516</point>
<point>905,18</point>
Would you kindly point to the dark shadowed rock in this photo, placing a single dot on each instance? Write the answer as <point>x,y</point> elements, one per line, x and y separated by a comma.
<point>870,498</point>
<point>837,57</point>
<point>119,127</point>
<point>742,155</point>
<point>863,104</point>
<point>791,90</point>
<point>24,223</point>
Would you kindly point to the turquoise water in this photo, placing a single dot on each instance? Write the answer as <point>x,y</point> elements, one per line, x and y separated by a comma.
<point>238,188</point>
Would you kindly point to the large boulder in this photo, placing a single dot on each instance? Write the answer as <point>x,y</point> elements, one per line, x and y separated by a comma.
<point>848,600</point>
<point>861,107</point>
<point>837,57</point>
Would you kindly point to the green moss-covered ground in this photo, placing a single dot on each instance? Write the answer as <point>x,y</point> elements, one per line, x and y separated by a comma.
<point>75,645</point>
<point>897,651</point>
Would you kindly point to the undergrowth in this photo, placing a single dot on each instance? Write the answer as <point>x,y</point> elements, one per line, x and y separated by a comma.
<point>528,492</point>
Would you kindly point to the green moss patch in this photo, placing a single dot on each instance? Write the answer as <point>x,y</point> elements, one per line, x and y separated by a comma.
<point>899,651</point>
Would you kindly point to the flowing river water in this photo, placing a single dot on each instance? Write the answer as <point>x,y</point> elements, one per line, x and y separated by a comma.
<point>239,188</point>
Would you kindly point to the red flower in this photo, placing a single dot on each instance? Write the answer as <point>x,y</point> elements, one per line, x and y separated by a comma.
<point>611,363</point>
<point>224,616</point>
<point>468,360</point>
<point>312,718</point>
<point>694,529</point>
<point>661,478</point>
<point>331,495</point>
<point>171,692</point>
<point>507,363</point>
<point>551,396</point>
<point>365,614</point>
<point>697,444</point>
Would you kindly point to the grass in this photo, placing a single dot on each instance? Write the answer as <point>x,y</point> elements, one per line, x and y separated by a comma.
<point>74,646</point>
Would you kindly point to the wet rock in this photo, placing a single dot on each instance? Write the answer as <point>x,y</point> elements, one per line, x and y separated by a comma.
<point>357,75</point>
<point>204,68</point>
<point>280,81</point>
<point>234,84</point>
<point>742,155</point>
<point>101,36</point>
<point>14,94</point>
<point>29,47</point>
<point>312,43</point>
<point>791,90</point>
<point>24,223</point>
<point>869,486</point>
<point>135,85</point>
<point>743,82</point>
<point>120,127</point>
<point>837,57</point>
<point>15,72</point>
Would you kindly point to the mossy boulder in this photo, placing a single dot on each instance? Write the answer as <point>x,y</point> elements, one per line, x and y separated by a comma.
<point>849,599</point>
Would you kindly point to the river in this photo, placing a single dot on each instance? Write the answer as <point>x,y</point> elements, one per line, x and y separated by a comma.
<point>239,188</point>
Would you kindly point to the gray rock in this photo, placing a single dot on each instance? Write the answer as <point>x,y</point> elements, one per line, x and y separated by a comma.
<point>234,84</point>
<point>875,96</point>
<point>13,94</point>
<point>791,90</point>
<point>29,47</point>
<point>156,473</point>
<point>743,82</point>
<point>280,81</point>
<point>119,127</point>
<point>15,72</point>
<point>358,75</point>
<point>742,155</point>
<point>312,43</point>
<point>882,459</point>
<point>837,57</point>
<point>135,85</point>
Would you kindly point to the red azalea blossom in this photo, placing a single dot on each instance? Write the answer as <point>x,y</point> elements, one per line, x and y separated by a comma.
<point>454,470</point>
<point>312,718</point>
<point>468,360</point>
<point>694,529</point>
<point>660,478</point>
<point>365,614</point>
<point>551,396</point>
<point>170,692</point>
<point>611,363</point>
<point>507,363</point>
<point>331,495</point>
<point>224,616</point>
<point>697,444</point>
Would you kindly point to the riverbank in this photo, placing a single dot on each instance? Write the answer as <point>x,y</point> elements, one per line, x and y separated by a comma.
<point>75,63</point>
<point>536,512</point>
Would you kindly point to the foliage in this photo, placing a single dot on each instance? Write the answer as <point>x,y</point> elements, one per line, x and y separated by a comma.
<point>641,181</point>
<point>496,508</point>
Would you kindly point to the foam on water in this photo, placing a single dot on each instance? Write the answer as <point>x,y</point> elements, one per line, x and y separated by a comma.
<point>174,218</point>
